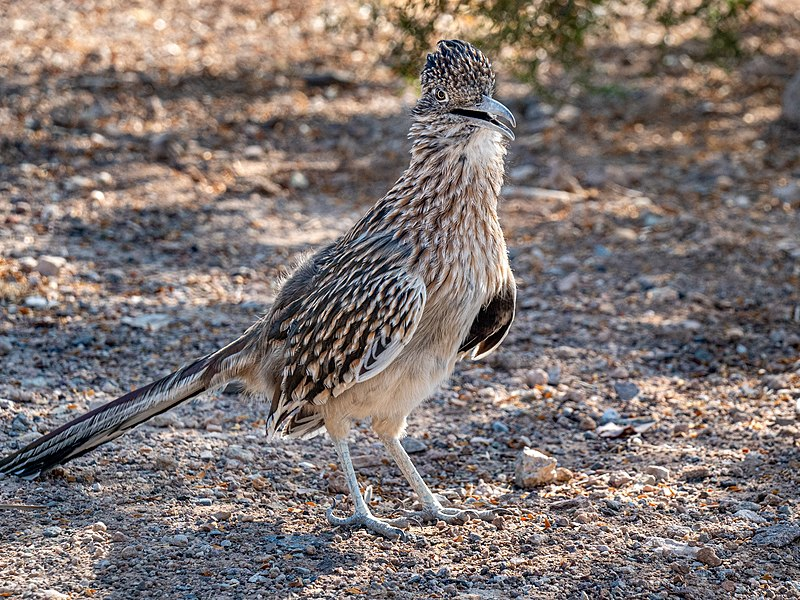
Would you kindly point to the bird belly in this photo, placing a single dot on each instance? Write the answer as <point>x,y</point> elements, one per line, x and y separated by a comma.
<point>426,363</point>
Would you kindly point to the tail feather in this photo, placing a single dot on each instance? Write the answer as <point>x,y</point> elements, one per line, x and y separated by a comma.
<point>111,420</point>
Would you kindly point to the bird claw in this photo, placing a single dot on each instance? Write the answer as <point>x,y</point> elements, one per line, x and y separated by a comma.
<point>390,528</point>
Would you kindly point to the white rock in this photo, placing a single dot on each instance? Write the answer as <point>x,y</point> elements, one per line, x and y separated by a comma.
<point>36,302</point>
<point>151,322</point>
<point>241,454</point>
<point>668,547</point>
<point>749,515</point>
<point>50,266</point>
<point>253,152</point>
<point>534,468</point>
<point>568,283</point>
<point>660,473</point>
<point>663,294</point>
<point>27,264</point>
<point>536,377</point>
<point>298,180</point>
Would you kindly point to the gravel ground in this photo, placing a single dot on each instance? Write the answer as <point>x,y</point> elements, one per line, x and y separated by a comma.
<point>163,164</point>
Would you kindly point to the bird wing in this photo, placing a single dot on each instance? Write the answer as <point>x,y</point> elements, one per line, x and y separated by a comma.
<point>491,326</point>
<point>348,328</point>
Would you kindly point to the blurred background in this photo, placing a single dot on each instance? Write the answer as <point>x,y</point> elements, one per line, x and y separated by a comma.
<point>162,164</point>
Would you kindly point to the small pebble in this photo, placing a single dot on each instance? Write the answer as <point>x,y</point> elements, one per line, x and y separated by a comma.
<point>659,473</point>
<point>534,468</point>
<point>626,390</point>
<point>707,556</point>
<point>695,473</point>
<point>413,445</point>
<point>298,180</point>
<point>537,377</point>
<point>52,531</point>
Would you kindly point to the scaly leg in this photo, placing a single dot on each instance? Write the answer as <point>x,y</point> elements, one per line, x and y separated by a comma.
<point>432,509</point>
<point>362,515</point>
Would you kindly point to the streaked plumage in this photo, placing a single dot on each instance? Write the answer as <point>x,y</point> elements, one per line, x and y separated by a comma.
<point>370,325</point>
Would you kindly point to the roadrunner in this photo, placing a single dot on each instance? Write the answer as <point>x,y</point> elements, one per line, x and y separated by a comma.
<point>371,324</point>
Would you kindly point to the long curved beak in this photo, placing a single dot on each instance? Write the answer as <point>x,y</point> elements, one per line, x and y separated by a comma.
<point>486,113</point>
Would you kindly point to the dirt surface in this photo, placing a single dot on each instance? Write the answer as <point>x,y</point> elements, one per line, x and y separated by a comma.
<point>180,156</point>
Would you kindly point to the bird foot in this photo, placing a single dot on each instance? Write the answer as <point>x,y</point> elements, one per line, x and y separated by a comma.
<point>453,516</point>
<point>388,528</point>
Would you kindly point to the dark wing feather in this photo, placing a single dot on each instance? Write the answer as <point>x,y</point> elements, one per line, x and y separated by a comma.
<point>350,325</point>
<point>491,325</point>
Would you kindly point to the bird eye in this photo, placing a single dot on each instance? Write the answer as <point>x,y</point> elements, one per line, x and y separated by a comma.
<point>441,95</point>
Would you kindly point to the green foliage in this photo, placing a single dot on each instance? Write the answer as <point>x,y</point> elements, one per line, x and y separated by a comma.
<point>556,30</point>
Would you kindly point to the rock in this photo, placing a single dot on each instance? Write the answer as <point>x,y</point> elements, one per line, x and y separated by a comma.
<point>568,283</point>
<point>563,475</point>
<point>50,266</point>
<point>165,461</point>
<point>207,455</point>
<point>707,556</point>
<point>749,515</point>
<point>118,536</point>
<point>500,427</point>
<point>413,445</point>
<point>241,454</point>
<point>554,375</point>
<point>534,468</point>
<point>27,264</point>
<point>537,377</point>
<point>777,536</point>
<point>168,419</point>
<point>619,373</point>
<point>570,503</point>
<point>664,294</point>
<point>777,382</point>
<point>668,547</point>
<point>129,552</point>
<point>567,114</point>
<point>620,479</point>
<point>789,193</point>
<point>21,422</point>
<point>695,473</point>
<point>660,473</point>
<point>791,100</point>
<point>609,415</point>
<point>51,532</point>
<point>54,595</point>
<point>36,302</point>
<point>253,152</point>
<point>298,180</point>
<point>78,182</point>
<point>179,540</point>
<point>626,390</point>
<point>151,322</point>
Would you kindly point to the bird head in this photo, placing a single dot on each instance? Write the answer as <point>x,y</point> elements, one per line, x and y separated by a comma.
<point>457,87</point>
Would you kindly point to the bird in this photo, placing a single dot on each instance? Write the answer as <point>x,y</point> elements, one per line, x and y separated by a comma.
<point>370,325</point>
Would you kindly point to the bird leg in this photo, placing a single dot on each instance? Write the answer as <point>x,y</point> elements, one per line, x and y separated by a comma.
<point>432,509</point>
<point>362,515</point>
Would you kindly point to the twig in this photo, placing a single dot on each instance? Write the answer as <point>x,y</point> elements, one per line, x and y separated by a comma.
<point>22,507</point>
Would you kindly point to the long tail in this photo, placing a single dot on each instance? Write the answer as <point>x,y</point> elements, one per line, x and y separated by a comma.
<point>111,420</point>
